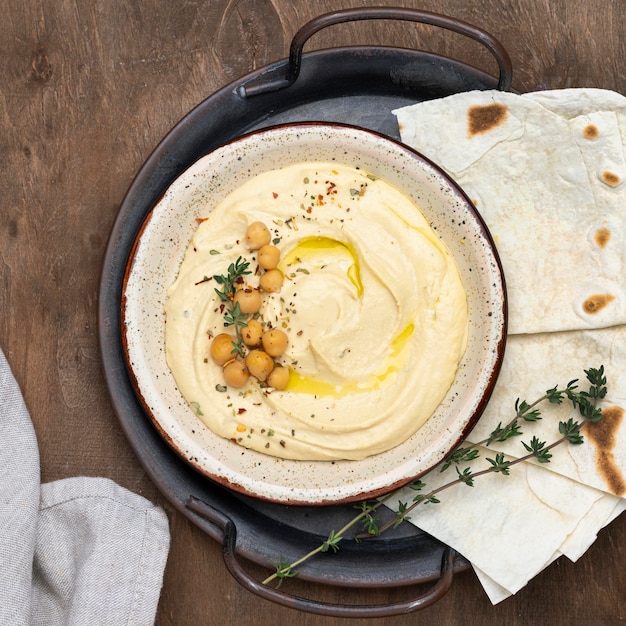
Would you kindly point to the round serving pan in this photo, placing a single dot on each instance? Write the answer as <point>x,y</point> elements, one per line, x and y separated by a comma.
<point>360,85</point>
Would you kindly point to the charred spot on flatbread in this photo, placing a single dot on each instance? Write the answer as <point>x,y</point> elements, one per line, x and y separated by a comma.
<point>590,131</point>
<point>594,304</point>
<point>611,178</point>
<point>603,435</point>
<point>601,237</point>
<point>483,118</point>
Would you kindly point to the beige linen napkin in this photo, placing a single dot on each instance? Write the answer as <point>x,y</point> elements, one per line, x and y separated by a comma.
<point>74,551</point>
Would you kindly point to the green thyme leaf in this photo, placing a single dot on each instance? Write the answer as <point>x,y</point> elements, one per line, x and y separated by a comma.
<point>499,464</point>
<point>571,431</point>
<point>332,543</point>
<point>465,476</point>
<point>283,571</point>
<point>538,450</point>
<point>460,455</point>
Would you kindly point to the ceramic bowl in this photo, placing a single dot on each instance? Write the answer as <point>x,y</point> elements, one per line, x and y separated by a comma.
<point>158,253</point>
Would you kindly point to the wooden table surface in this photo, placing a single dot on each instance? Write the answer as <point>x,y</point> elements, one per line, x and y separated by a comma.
<point>87,90</point>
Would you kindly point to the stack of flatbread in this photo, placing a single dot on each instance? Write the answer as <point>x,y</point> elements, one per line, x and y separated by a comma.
<point>547,171</point>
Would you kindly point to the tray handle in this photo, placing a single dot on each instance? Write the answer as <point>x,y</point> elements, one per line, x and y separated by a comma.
<point>378,13</point>
<point>229,544</point>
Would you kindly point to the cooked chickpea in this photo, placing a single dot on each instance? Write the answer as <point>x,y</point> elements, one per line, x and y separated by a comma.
<point>259,364</point>
<point>251,333</point>
<point>278,378</point>
<point>222,348</point>
<point>257,235</point>
<point>272,280</point>
<point>275,342</point>
<point>249,300</point>
<point>236,374</point>
<point>269,256</point>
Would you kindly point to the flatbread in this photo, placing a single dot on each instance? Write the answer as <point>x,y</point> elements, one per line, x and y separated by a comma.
<point>552,190</point>
<point>571,103</point>
<point>535,363</point>
<point>604,511</point>
<point>500,535</point>
<point>547,172</point>
<point>566,292</point>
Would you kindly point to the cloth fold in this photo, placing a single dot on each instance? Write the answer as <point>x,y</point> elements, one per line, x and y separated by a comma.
<point>74,551</point>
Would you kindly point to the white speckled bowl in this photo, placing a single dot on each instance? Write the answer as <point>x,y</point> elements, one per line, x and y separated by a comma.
<point>160,248</point>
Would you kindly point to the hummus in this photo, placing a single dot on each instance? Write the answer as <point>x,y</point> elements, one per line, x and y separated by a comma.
<point>372,304</point>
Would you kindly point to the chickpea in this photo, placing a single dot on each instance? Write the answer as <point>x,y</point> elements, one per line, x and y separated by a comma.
<point>259,364</point>
<point>251,333</point>
<point>257,235</point>
<point>249,300</point>
<point>236,374</point>
<point>268,257</point>
<point>278,378</point>
<point>272,280</point>
<point>222,348</point>
<point>275,342</point>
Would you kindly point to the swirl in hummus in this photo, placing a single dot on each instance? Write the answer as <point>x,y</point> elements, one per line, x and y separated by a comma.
<point>372,304</point>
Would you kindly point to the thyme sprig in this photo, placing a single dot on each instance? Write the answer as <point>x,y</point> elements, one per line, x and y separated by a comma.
<point>288,570</point>
<point>236,271</point>
<point>232,312</point>
<point>234,317</point>
<point>584,401</point>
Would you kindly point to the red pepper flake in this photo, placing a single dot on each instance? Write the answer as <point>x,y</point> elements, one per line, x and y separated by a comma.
<point>274,194</point>
<point>320,200</point>
<point>201,219</point>
<point>241,410</point>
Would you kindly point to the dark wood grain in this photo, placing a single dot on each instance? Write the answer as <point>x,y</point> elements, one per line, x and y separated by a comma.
<point>87,90</point>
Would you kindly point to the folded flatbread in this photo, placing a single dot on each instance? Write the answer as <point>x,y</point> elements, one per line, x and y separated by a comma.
<point>535,363</point>
<point>547,172</point>
<point>499,535</point>
<point>548,175</point>
<point>551,187</point>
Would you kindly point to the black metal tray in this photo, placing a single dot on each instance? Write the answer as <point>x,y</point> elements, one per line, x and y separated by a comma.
<point>355,85</point>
